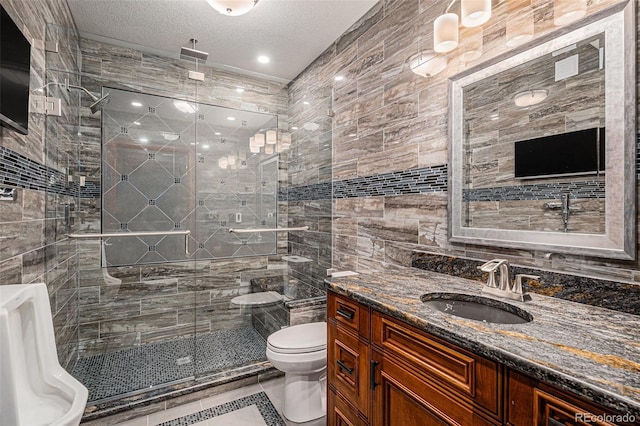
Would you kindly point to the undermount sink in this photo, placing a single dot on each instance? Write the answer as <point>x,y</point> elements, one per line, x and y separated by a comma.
<point>476,308</point>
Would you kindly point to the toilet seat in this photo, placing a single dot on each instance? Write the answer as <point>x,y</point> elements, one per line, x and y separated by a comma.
<point>298,339</point>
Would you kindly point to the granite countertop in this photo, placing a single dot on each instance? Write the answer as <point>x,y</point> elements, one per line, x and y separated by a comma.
<point>591,351</point>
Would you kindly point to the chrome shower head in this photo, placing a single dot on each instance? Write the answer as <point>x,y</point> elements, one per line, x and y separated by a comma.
<point>192,54</point>
<point>99,103</point>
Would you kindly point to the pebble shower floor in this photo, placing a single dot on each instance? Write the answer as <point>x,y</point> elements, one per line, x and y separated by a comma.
<point>120,372</point>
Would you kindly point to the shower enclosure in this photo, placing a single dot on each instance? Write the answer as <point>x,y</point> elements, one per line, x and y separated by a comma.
<point>162,313</point>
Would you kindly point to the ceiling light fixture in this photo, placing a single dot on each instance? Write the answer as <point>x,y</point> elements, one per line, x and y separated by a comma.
<point>475,12</point>
<point>231,118</point>
<point>232,7</point>
<point>222,162</point>
<point>530,97</point>
<point>471,44</point>
<point>566,11</point>
<point>259,138</point>
<point>445,33</point>
<point>263,59</point>
<point>136,104</point>
<point>339,78</point>
<point>170,136</point>
<point>427,63</point>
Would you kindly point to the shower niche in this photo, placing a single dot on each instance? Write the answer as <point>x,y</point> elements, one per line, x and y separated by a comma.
<point>171,165</point>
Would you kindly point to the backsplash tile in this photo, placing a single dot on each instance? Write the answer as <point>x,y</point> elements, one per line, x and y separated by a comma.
<point>618,296</point>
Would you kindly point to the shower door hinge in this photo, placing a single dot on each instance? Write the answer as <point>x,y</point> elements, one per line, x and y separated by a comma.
<point>53,106</point>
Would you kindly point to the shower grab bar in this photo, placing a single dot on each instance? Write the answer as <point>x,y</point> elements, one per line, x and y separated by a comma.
<point>251,230</point>
<point>137,234</point>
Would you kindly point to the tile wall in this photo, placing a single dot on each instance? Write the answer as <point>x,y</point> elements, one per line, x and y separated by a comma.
<point>33,243</point>
<point>388,120</point>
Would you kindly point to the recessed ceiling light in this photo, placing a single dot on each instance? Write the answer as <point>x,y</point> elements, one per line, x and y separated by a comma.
<point>339,78</point>
<point>136,123</point>
<point>205,146</point>
<point>143,140</point>
<point>294,128</point>
<point>231,118</point>
<point>136,104</point>
<point>240,89</point>
<point>217,133</point>
<point>263,59</point>
<point>306,103</point>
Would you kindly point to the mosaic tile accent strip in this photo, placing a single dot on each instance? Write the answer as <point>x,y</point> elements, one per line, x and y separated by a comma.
<point>119,372</point>
<point>623,297</point>
<point>18,170</point>
<point>260,400</point>
<point>541,191</point>
<point>412,181</point>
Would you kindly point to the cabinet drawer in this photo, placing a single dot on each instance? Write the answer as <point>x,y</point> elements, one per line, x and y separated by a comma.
<point>348,313</point>
<point>339,413</point>
<point>447,366</point>
<point>347,367</point>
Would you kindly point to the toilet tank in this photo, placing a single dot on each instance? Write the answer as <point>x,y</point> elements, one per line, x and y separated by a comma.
<point>35,389</point>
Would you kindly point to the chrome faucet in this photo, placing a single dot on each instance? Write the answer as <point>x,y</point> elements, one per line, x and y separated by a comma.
<point>503,286</point>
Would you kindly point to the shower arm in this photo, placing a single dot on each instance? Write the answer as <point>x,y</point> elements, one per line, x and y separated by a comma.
<point>251,230</point>
<point>68,86</point>
<point>135,234</point>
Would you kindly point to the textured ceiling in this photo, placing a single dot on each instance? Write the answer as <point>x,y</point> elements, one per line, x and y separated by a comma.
<point>291,32</point>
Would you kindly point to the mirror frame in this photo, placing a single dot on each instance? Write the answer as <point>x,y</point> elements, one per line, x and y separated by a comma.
<point>619,239</point>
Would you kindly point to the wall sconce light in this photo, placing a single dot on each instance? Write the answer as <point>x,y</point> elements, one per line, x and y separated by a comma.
<point>519,26</point>
<point>445,33</point>
<point>232,7</point>
<point>475,12</point>
<point>530,97</point>
<point>427,63</point>
<point>566,11</point>
<point>271,137</point>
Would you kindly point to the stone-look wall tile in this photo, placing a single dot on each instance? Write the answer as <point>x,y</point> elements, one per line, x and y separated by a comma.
<point>359,207</point>
<point>422,127</point>
<point>11,271</point>
<point>397,230</point>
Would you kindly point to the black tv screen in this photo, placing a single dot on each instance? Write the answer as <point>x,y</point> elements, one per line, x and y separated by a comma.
<point>15,62</point>
<point>573,153</point>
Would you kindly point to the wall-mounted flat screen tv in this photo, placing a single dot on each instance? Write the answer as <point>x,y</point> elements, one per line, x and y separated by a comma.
<point>574,153</point>
<point>15,62</point>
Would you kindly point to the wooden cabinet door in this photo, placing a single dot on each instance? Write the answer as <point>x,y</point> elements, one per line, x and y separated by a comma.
<point>348,367</point>
<point>339,413</point>
<point>402,399</point>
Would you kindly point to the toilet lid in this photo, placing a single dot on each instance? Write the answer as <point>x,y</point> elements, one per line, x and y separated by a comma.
<point>299,338</point>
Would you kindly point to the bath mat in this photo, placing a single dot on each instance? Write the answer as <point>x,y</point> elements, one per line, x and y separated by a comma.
<point>258,400</point>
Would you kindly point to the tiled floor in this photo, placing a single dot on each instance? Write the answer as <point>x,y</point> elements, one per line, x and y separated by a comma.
<point>119,372</point>
<point>245,412</point>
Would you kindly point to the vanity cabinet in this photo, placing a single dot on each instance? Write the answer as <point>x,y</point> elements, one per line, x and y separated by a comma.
<point>384,372</point>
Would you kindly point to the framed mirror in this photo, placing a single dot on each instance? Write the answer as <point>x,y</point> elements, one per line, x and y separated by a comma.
<point>543,140</point>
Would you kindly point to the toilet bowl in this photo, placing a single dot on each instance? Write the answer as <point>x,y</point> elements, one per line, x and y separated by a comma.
<point>36,390</point>
<point>300,352</point>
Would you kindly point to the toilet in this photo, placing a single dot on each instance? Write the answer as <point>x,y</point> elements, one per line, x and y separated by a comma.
<point>36,390</point>
<point>300,351</point>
